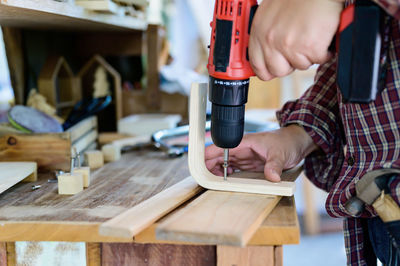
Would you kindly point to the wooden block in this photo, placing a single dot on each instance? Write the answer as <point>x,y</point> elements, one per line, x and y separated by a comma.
<point>222,218</point>
<point>94,159</point>
<point>111,153</point>
<point>13,172</point>
<point>70,184</point>
<point>197,166</point>
<point>85,171</point>
<point>138,218</point>
<point>246,256</point>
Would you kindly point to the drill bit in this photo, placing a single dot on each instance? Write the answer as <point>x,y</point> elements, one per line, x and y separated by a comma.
<point>226,163</point>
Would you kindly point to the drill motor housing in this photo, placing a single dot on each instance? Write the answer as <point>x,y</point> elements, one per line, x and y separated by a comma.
<point>229,69</point>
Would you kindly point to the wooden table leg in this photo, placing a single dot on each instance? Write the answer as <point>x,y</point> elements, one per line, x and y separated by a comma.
<point>93,254</point>
<point>157,254</point>
<point>278,254</point>
<point>11,257</point>
<point>247,256</point>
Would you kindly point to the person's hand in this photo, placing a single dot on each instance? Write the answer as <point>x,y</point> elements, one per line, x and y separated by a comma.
<point>292,34</point>
<point>271,152</point>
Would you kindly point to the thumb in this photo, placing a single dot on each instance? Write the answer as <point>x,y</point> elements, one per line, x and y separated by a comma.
<point>273,171</point>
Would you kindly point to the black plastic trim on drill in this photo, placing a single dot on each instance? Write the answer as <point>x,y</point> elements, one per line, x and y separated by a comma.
<point>344,62</point>
<point>359,69</point>
<point>228,92</point>
<point>252,13</point>
<point>222,46</point>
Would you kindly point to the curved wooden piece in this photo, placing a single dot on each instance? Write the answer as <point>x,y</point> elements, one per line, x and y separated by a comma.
<point>197,166</point>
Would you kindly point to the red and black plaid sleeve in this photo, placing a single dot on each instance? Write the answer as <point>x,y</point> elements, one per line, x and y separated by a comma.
<point>317,111</point>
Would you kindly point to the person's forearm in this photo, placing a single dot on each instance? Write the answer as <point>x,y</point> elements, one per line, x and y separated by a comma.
<point>302,141</point>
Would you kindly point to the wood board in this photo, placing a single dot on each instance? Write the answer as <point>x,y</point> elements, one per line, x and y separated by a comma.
<point>138,218</point>
<point>13,172</point>
<point>279,228</point>
<point>116,187</point>
<point>222,218</point>
<point>197,167</point>
<point>49,14</point>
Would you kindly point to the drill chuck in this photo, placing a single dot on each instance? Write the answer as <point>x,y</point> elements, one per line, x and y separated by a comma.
<point>228,98</point>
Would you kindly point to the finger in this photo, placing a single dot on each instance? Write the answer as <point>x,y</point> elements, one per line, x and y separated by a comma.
<point>273,171</point>
<point>213,152</point>
<point>257,62</point>
<point>277,64</point>
<point>298,61</point>
<point>211,164</point>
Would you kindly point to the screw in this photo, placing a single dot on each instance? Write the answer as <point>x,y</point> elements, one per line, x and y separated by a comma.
<point>36,187</point>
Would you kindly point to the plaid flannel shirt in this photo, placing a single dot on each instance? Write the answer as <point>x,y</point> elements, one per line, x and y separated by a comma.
<point>370,132</point>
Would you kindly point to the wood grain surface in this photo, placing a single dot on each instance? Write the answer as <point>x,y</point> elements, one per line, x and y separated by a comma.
<point>157,254</point>
<point>281,227</point>
<point>248,256</point>
<point>115,187</point>
<point>223,218</point>
<point>50,151</point>
<point>138,218</point>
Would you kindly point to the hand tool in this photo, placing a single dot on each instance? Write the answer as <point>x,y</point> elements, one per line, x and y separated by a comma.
<point>230,71</point>
<point>372,190</point>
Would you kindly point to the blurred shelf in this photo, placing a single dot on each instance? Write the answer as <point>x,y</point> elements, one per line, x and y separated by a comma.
<point>64,15</point>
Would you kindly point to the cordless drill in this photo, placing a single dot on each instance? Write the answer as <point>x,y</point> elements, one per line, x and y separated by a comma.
<point>230,71</point>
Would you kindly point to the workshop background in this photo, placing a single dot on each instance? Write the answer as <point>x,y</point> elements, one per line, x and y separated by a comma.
<point>182,57</point>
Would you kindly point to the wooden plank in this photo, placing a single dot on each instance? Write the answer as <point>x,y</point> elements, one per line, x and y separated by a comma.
<point>49,14</point>
<point>82,127</point>
<point>83,143</point>
<point>197,166</point>
<point>13,172</point>
<point>138,218</point>
<point>157,255</point>
<point>100,5</point>
<point>93,254</point>
<point>55,231</point>
<point>280,227</point>
<point>222,218</point>
<point>246,256</point>
<point>50,151</point>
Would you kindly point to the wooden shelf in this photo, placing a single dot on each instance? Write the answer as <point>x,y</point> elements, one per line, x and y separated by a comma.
<point>51,14</point>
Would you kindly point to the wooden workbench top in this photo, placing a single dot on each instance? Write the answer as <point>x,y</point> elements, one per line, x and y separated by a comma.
<point>43,215</point>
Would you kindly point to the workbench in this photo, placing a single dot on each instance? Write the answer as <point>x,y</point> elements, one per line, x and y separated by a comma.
<point>43,215</point>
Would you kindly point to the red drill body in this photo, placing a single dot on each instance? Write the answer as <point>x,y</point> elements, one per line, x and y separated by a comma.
<point>240,14</point>
<point>229,69</point>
